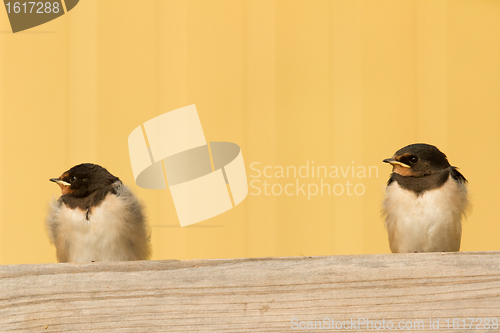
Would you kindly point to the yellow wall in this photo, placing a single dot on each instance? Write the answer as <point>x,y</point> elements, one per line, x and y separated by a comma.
<point>290,81</point>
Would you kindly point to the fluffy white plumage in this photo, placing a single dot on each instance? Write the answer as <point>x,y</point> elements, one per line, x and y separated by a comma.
<point>115,229</point>
<point>430,222</point>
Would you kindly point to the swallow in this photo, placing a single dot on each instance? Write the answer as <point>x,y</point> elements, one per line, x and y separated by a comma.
<point>97,218</point>
<point>425,201</point>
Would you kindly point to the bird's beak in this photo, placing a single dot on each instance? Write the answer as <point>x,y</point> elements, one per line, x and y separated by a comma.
<point>59,181</point>
<point>394,162</point>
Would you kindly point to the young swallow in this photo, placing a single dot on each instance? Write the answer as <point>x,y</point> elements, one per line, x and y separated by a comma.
<point>97,218</point>
<point>425,201</point>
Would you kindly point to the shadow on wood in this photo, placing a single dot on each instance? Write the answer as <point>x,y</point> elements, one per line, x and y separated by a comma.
<point>254,295</point>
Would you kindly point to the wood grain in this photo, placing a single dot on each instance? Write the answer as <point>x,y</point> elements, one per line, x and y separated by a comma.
<point>252,295</point>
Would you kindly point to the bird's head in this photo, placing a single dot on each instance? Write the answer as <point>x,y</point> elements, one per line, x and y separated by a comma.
<point>418,160</point>
<point>84,179</point>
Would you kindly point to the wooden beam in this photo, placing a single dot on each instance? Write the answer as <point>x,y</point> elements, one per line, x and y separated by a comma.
<point>255,295</point>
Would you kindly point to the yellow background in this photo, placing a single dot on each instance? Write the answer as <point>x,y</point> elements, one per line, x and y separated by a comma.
<point>289,81</point>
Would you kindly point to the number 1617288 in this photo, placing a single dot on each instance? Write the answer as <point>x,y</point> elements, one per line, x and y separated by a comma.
<point>32,7</point>
<point>472,323</point>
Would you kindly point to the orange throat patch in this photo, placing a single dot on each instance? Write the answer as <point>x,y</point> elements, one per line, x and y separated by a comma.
<point>401,170</point>
<point>65,189</point>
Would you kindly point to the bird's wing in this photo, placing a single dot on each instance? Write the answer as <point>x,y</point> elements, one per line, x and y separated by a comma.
<point>52,220</point>
<point>135,228</point>
<point>455,174</point>
<point>52,223</point>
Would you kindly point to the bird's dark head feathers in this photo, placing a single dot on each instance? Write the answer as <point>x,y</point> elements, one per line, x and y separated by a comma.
<point>418,160</point>
<point>84,179</point>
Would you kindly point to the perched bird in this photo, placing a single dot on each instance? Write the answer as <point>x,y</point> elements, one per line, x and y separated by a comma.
<point>97,218</point>
<point>424,202</point>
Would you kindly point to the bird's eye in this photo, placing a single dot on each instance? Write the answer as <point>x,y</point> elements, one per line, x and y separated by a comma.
<point>73,178</point>
<point>413,159</point>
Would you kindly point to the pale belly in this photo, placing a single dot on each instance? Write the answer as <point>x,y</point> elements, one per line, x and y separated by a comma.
<point>430,222</point>
<point>98,239</point>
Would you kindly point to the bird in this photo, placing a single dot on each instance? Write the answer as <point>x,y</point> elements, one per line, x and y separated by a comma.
<point>425,201</point>
<point>97,218</point>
